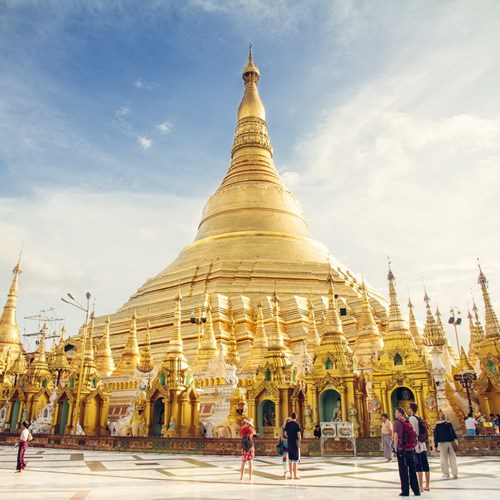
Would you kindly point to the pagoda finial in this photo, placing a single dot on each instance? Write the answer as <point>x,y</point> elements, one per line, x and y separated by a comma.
<point>9,329</point>
<point>492,325</point>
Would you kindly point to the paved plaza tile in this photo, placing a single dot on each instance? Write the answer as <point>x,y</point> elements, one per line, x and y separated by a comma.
<point>78,475</point>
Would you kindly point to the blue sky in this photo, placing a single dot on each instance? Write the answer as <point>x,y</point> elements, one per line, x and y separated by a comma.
<point>116,123</point>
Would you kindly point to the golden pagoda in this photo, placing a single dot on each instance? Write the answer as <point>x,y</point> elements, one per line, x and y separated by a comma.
<point>252,238</point>
<point>476,332</point>
<point>488,383</point>
<point>130,355</point>
<point>10,339</point>
<point>400,375</point>
<point>104,358</point>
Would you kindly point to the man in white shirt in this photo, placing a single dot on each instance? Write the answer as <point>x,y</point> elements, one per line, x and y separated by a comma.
<point>470,425</point>
<point>421,462</point>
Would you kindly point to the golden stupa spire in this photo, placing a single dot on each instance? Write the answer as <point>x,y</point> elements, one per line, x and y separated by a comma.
<point>19,366</point>
<point>464,364</point>
<point>260,344</point>
<point>369,340</point>
<point>174,364</point>
<point>491,326</point>
<point>252,187</point>
<point>175,347</point>
<point>9,330</point>
<point>476,334</point>
<point>208,345</point>
<point>232,356</point>
<point>396,322</point>
<point>104,359</point>
<point>60,361</point>
<point>89,366</point>
<point>417,335</point>
<point>312,339</point>
<point>333,352</point>
<point>130,355</point>
<point>276,350</point>
<point>39,368</point>
<point>146,364</point>
<point>433,334</point>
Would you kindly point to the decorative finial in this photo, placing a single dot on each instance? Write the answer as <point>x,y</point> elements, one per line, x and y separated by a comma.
<point>390,275</point>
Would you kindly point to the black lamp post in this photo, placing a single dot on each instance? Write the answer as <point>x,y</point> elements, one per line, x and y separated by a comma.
<point>466,379</point>
<point>455,320</point>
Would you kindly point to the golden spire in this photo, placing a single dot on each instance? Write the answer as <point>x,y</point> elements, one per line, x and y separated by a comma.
<point>260,344</point>
<point>60,361</point>
<point>19,366</point>
<point>146,364</point>
<point>369,340</point>
<point>313,339</point>
<point>232,356</point>
<point>89,367</point>
<point>464,364</point>
<point>175,346</point>
<point>130,355</point>
<point>9,329</point>
<point>252,187</point>
<point>492,326</point>
<point>396,322</point>
<point>433,334</point>
<point>39,368</point>
<point>104,359</point>
<point>208,345</point>
<point>476,335</point>
<point>276,351</point>
<point>418,338</point>
<point>334,352</point>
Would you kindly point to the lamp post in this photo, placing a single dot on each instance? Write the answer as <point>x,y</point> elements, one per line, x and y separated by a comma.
<point>466,379</point>
<point>455,320</point>
<point>198,321</point>
<point>73,302</point>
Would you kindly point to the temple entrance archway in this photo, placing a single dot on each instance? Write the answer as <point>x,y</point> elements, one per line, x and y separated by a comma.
<point>62,416</point>
<point>402,397</point>
<point>266,418</point>
<point>330,407</point>
<point>15,415</point>
<point>158,416</point>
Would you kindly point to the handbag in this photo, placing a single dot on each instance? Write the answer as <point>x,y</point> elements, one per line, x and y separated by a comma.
<point>454,445</point>
<point>280,448</point>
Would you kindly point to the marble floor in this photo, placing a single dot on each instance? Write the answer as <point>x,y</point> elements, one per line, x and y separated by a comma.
<point>77,475</point>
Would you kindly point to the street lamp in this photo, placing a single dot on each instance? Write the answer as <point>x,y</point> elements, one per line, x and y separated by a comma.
<point>73,302</point>
<point>202,318</point>
<point>455,321</point>
<point>466,379</point>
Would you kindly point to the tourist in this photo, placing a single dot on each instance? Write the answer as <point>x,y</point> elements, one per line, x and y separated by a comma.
<point>405,446</point>
<point>24,439</point>
<point>247,447</point>
<point>421,461</point>
<point>496,424</point>
<point>293,435</point>
<point>283,439</point>
<point>471,425</point>
<point>386,437</point>
<point>445,441</point>
<point>317,431</point>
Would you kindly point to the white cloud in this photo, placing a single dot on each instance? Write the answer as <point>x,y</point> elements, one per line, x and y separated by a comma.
<point>138,84</point>
<point>144,142</point>
<point>77,241</point>
<point>122,111</point>
<point>164,128</point>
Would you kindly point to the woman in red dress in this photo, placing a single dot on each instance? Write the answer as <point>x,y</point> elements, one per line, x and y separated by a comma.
<point>24,438</point>
<point>247,455</point>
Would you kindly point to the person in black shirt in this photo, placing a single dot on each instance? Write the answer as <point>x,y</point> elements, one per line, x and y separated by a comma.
<point>293,434</point>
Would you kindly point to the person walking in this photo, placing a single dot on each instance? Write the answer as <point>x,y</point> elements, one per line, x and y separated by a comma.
<point>24,438</point>
<point>471,425</point>
<point>284,441</point>
<point>247,447</point>
<point>386,437</point>
<point>444,441</point>
<point>421,461</point>
<point>293,435</point>
<point>406,441</point>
